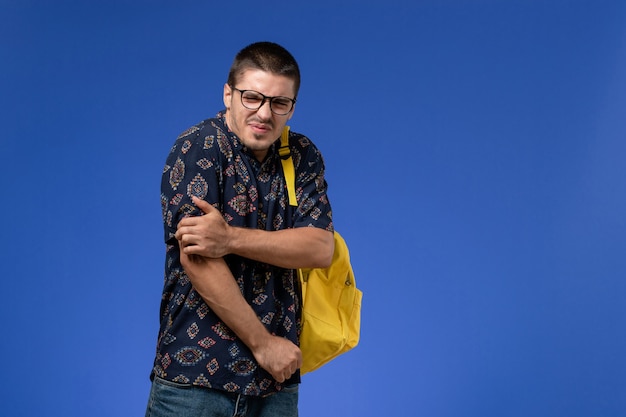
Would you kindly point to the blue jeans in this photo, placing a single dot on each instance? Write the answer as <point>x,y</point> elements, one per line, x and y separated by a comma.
<point>169,399</point>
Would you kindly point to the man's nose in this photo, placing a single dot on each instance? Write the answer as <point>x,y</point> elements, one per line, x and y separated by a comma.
<point>265,111</point>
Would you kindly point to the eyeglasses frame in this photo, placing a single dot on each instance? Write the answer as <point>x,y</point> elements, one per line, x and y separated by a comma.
<point>265,98</point>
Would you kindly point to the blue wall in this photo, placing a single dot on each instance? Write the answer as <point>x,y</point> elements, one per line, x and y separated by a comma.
<point>475,154</point>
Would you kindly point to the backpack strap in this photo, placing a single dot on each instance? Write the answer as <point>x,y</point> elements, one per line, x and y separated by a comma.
<point>288,170</point>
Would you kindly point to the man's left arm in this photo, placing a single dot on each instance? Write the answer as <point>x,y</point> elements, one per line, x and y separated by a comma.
<point>303,247</point>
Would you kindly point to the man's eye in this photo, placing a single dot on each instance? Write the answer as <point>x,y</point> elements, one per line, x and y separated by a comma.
<point>281,103</point>
<point>253,99</point>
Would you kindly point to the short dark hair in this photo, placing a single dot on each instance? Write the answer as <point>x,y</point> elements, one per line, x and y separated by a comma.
<point>265,56</point>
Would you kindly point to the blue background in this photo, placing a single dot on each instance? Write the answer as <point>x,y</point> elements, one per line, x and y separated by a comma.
<point>475,154</point>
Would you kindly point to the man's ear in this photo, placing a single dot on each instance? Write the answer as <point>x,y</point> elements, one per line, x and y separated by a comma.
<point>228,93</point>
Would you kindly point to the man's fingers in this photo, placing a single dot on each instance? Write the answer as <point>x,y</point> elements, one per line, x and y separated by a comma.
<point>194,220</point>
<point>202,205</point>
<point>182,231</point>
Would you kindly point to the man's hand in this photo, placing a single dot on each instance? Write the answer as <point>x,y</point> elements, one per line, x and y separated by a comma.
<point>278,356</point>
<point>206,235</point>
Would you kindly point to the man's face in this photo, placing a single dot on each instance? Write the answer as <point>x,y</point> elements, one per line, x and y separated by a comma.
<point>257,129</point>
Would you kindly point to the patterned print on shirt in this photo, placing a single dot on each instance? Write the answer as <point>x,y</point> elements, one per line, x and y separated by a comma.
<point>189,355</point>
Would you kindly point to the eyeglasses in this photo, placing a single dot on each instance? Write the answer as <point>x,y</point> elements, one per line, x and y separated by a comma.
<point>253,100</point>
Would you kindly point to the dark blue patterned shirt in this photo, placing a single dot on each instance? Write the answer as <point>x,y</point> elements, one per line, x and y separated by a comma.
<point>210,162</point>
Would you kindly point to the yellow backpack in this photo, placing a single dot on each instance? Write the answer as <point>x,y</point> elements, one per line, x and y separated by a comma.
<point>331,302</point>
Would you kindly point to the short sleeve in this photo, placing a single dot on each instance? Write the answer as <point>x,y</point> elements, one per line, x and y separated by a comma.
<point>190,170</point>
<point>311,188</point>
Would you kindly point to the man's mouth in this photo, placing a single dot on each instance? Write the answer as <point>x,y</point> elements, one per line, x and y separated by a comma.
<point>260,128</point>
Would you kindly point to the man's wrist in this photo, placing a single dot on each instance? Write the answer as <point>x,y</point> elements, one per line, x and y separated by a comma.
<point>235,240</point>
<point>256,338</point>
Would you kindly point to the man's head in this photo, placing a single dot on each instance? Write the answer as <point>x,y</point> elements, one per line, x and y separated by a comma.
<point>260,94</point>
<point>268,57</point>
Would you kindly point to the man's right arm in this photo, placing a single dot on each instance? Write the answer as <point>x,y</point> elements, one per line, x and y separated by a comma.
<point>212,279</point>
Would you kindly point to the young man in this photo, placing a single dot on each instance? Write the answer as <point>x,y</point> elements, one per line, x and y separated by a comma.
<point>230,312</point>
